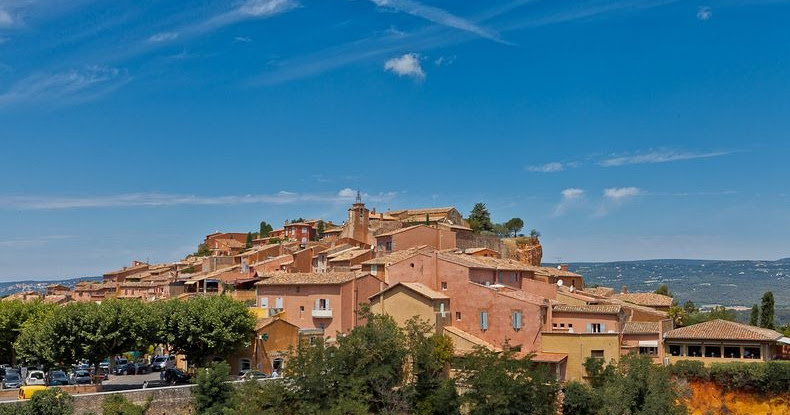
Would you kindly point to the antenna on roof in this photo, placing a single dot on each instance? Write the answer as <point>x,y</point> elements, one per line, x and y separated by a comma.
<point>359,197</point>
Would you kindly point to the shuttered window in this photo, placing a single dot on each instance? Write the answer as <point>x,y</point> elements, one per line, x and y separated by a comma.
<point>484,320</point>
<point>517,320</point>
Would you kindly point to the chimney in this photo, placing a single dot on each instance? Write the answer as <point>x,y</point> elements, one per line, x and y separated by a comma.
<point>373,211</point>
<point>564,267</point>
<point>625,289</point>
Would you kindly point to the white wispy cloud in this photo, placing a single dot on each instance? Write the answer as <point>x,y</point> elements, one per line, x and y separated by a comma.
<point>250,9</point>
<point>165,199</point>
<point>439,16</point>
<point>704,13</point>
<point>406,65</point>
<point>571,197</point>
<point>6,20</point>
<point>163,37</point>
<point>242,39</point>
<point>547,168</point>
<point>614,197</point>
<point>660,156</point>
<point>444,60</point>
<point>71,86</point>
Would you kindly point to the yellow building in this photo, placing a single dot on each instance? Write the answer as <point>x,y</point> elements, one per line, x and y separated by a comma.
<point>405,300</point>
<point>578,347</point>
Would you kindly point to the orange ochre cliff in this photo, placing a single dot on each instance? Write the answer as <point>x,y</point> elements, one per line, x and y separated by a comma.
<point>708,398</point>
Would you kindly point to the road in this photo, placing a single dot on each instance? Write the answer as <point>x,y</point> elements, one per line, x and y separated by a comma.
<point>118,382</point>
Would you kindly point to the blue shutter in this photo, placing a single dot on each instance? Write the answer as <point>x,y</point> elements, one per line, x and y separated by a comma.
<point>589,327</point>
<point>484,320</point>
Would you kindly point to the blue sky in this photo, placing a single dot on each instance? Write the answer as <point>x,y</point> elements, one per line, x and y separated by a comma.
<point>619,129</point>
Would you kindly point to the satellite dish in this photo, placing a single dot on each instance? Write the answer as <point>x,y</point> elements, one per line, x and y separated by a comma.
<point>571,288</point>
<point>559,267</point>
<point>559,283</point>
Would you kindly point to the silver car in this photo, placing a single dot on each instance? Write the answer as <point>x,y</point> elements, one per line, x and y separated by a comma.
<point>11,380</point>
<point>81,377</point>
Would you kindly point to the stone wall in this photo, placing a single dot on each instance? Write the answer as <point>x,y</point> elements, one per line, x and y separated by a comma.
<point>176,400</point>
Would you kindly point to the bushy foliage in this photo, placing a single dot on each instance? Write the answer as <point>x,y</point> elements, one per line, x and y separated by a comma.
<point>689,369</point>
<point>212,392</point>
<point>633,386</point>
<point>117,404</point>
<point>768,377</point>
<point>52,401</point>
<point>13,316</point>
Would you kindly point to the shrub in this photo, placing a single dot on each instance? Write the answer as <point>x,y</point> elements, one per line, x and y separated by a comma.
<point>777,376</point>
<point>689,369</point>
<point>213,392</point>
<point>579,399</point>
<point>117,404</point>
<point>736,375</point>
<point>52,401</point>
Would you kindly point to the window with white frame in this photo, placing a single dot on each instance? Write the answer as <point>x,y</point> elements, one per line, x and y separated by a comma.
<point>517,320</point>
<point>483,320</point>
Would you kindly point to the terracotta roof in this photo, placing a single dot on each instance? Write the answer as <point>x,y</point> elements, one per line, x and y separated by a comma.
<point>631,306</point>
<point>545,357</point>
<point>588,309</point>
<point>554,272</point>
<point>408,228</point>
<point>230,243</point>
<point>332,230</point>
<point>645,299</point>
<point>349,255</point>
<point>604,292</point>
<point>396,256</point>
<point>641,327</point>
<point>470,338</point>
<point>305,278</point>
<point>417,287</point>
<point>261,323</point>
<point>723,330</point>
<point>486,262</point>
<point>476,250</point>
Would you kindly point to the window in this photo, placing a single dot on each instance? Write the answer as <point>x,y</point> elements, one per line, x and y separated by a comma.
<point>264,302</point>
<point>554,325</point>
<point>595,328</point>
<point>374,269</point>
<point>512,277</point>
<point>570,325</point>
<point>444,285</point>
<point>458,315</point>
<point>694,351</point>
<point>712,351</point>
<point>751,352</point>
<point>732,352</point>
<point>304,230</point>
<point>562,324</point>
<point>442,310</point>
<point>277,364</point>
<point>301,308</point>
<point>298,288</point>
<point>597,354</point>
<point>484,320</point>
<point>517,320</point>
<point>501,278</point>
<point>674,349</point>
<point>278,302</point>
<point>322,304</point>
<point>650,351</point>
<point>245,364</point>
<point>388,246</point>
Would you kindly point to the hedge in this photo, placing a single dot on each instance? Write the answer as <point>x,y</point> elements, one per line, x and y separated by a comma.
<point>769,377</point>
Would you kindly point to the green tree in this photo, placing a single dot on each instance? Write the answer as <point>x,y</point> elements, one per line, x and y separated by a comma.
<point>52,401</point>
<point>501,384</point>
<point>431,354</point>
<point>320,227</point>
<point>203,326</point>
<point>767,311</point>
<point>664,290</point>
<point>716,313</point>
<point>117,404</point>
<point>514,225</point>
<point>480,219</point>
<point>203,250</point>
<point>212,392</point>
<point>265,229</point>
<point>690,307</point>
<point>534,234</point>
<point>248,242</point>
<point>13,316</point>
<point>580,399</point>
<point>754,318</point>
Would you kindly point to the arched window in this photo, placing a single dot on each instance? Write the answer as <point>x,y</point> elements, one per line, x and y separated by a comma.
<point>245,364</point>
<point>277,364</point>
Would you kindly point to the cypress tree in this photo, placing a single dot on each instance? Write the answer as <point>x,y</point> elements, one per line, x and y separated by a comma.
<point>754,320</point>
<point>767,311</point>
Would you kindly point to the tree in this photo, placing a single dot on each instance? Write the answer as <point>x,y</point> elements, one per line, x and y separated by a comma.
<point>534,234</point>
<point>212,392</point>
<point>664,290</point>
<point>514,225</point>
<point>754,318</point>
<point>248,242</point>
<point>53,401</point>
<point>203,326</point>
<point>265,229</point>
<point>480,219</point>
<point>13,315</point>
<point>500,384</point>
<point>767,311</point>
<point>117,404</point>
<point>430,358</point>
<point>320,227</point>
<point>203,250</point>
<point>580,399</point>
<point>689,307</point>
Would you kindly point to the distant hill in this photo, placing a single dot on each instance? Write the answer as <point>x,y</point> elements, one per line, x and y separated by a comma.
<point>8,288</point>
<point>729,283</point>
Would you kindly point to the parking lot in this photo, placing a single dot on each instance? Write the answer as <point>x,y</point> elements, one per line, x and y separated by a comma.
<point>119,382</point>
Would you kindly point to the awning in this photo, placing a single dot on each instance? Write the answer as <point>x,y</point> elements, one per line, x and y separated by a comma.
<point>648,343</point>
<point>190,282</point>
<point>785,340</point>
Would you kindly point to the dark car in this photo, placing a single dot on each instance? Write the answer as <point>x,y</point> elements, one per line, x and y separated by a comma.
<point>139,368</point>
<point>81,377</point>
<point>11,380</point>
<point>125,369</point>
<point>174,376</point>
<point>58,378</point>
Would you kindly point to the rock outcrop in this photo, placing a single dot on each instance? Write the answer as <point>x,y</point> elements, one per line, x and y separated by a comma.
<point>526,250</point>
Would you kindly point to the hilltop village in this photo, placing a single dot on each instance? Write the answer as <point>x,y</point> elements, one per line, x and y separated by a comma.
<point>310,279</point>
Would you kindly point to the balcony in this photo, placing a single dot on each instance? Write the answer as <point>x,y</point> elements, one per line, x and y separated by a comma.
<point>322,313</point>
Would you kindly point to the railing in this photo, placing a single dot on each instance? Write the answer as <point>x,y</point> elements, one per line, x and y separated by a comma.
<point>322,313</point>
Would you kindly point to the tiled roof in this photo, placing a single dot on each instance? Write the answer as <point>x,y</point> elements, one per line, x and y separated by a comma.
<point>636,307</point>
<point>641,327</point>
<point>349,255</point>
<point>723,330</point>
<point>604,292</point>
<point>470,338</point>
<point>305,278</point>
<point>469,251</point>
<point>590,309</point>
<point>408,228</point>
<point>417,287</point>
<point>396,256</point>
<point>546,357</point>
<point>486,262</point>
<point>646,299</point>
<point>230,243</point>
<point>554,272</point>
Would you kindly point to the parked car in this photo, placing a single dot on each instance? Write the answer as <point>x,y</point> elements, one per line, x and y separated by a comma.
<point>81,377</point>
<point>58,378</point>
<point>104,364</point>
<point>26,392</point>
<point>11,380</point>
<point>124,369</point>
<point>174,376</point>
<point>141,368</point>
<point>103,374</point>
<point>252,374</point>
<point>35,377</point>
<point>163,362</point>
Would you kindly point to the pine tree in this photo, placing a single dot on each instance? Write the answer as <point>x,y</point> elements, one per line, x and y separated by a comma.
<point>248,244</point>
<point>754,320</point>
<point>480,219</point>
<point>767,311</point>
